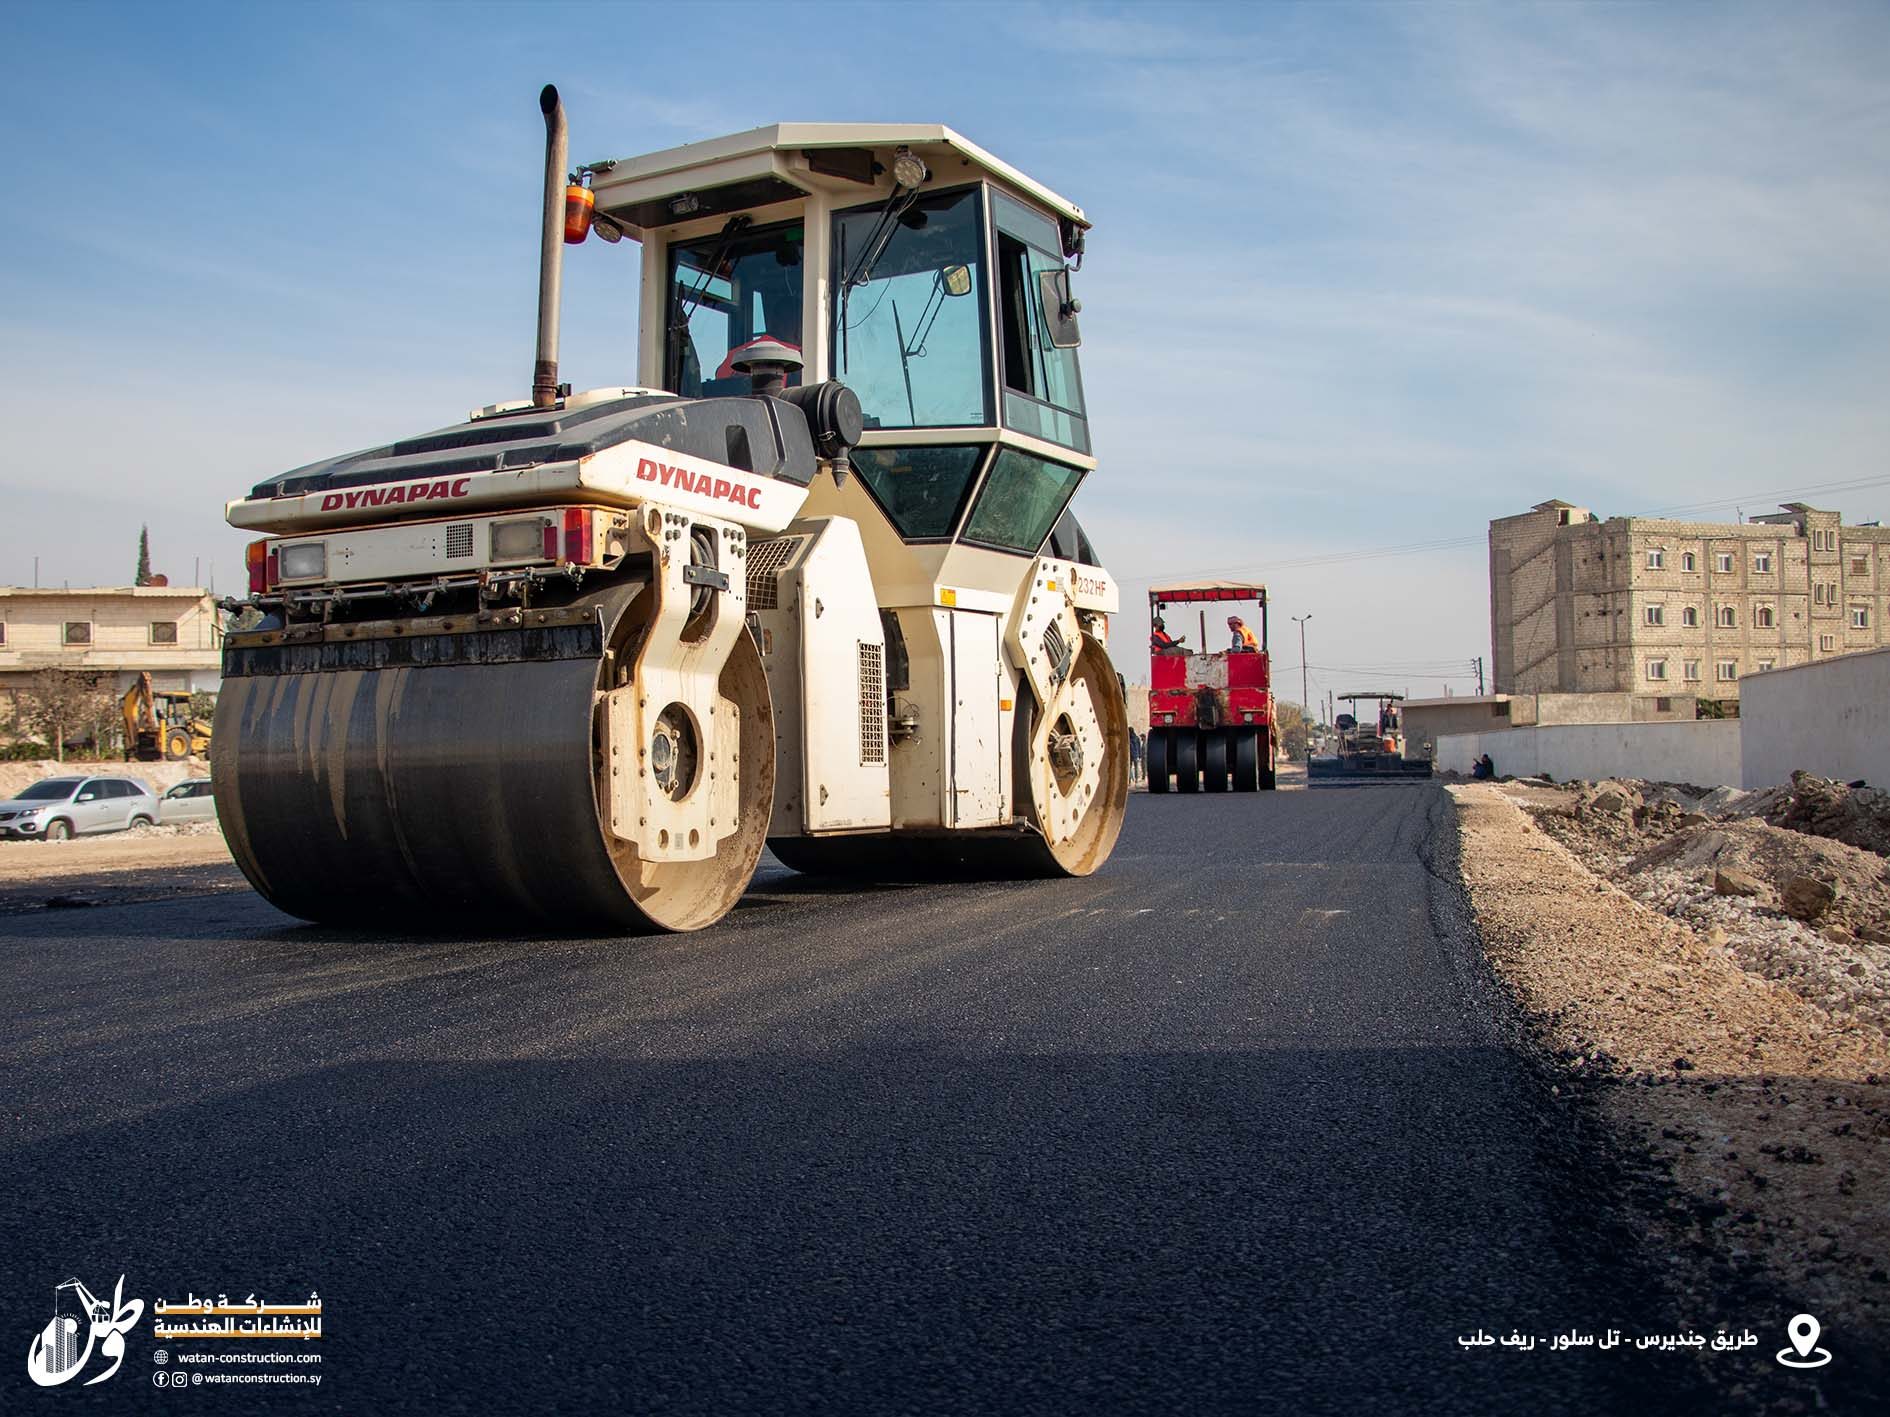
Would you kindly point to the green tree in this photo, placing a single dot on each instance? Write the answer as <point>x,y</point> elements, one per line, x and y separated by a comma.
<point>144,556</point>
<point>1292,721</point>
<point>62,705</point>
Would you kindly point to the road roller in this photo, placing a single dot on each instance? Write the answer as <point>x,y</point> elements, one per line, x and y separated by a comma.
<point>812,584</point>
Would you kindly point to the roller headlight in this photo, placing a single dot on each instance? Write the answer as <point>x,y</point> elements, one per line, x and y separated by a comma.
<point>521,540</point>
<point>305,562</point>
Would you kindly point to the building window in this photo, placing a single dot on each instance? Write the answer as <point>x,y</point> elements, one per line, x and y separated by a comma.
<point>1656,669</point>
<point>1762,562</point>
<point>1827,642</point>
<point>1767,664</point>
<point>1762,617</point>
<point>1724,562</point>
<point>163,632</point>
<point>1817,593</point>
<point>1663,705</point>
<point>1728,670</point>
<point>1860,565</point>
<point>1860,617</point>
<point>1728,617</point>
<point>1691,671</point>
<point>1690,616</point>
<point>1656,558</point>
<point>1821,541</point>
<point>1688,561</point>
<point>78,632</point>
<point>3,632</point>
<point>1656,614</point>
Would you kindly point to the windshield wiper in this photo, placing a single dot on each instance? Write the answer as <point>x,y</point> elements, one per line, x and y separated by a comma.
<point>686,303</point>
<point>897,205</point>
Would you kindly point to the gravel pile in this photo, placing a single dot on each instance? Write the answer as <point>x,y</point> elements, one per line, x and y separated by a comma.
<point>1805,910</point>
<point>207,827</point>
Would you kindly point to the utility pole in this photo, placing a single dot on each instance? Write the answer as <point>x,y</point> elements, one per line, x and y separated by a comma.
<point>1305,702</point>
<point>1479,676</point>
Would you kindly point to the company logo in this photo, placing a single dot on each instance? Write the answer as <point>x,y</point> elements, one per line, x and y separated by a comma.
<point>700,483</point>
<point>56,1356</point>
<point>1803,1332</point>
<point>396,495</point>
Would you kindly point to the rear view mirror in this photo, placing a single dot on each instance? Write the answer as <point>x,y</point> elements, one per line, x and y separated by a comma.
<point>88,796</point>
<point>957,280</point>
<point>1059,307</point>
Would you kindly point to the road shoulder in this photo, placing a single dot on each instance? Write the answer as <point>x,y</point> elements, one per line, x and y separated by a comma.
<point>1766,1117</point>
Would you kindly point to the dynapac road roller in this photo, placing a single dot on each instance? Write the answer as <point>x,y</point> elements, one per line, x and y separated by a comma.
<point>814,583</point>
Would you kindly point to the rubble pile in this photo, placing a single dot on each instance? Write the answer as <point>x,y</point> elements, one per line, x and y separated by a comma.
<point>1817,806</point>
<point>1795,904</point>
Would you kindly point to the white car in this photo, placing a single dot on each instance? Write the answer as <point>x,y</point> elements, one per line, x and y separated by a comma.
<point>55,808</point>
<point>188,802</point>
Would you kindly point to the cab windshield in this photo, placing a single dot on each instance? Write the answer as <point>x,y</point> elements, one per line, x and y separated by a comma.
<point>909,327</point>
<point>725,292</point>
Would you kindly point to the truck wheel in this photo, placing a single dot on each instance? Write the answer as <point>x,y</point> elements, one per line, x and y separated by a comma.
<point>1214,756</point>
<point>1158,764</point>
<point>1269,778</point>
<point>1246,760</point>
<point>176,746</point>
<point>1187,743</point>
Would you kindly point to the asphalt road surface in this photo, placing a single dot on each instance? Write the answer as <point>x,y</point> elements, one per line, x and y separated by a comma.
<point>1231,1126</point>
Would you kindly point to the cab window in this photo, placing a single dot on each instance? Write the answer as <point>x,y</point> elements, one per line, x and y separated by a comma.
<point>1020,501</point>
<point>725,292</point>
<point>910,337</point>
<point>1043,391</point>
<point>921,490</point>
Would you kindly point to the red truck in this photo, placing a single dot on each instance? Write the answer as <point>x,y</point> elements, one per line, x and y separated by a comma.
<point>1210,712</point>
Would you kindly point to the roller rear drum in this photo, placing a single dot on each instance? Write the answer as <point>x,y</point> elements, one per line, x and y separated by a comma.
<point>445,793</point>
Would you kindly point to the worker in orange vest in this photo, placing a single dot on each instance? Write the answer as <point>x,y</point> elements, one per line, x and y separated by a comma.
<point>1245,640</point>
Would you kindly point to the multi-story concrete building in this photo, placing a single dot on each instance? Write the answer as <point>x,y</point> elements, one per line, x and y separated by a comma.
<point>117,632</point>
<point>1642,605</point>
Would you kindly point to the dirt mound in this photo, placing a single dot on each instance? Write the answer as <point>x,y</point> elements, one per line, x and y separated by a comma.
<point>15,777</point>
<point>1817,806</point>
<point>1805,911</point>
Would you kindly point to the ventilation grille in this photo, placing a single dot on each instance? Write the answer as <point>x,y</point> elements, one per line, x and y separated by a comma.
<point>459,541</point>
<point>1056,654</point>
<point>872,703</point>
<point>765,561</point>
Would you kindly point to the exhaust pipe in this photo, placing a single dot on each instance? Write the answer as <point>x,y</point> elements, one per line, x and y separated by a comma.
<point>550,252</point>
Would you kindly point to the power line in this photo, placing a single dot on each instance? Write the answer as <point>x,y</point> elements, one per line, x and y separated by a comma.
<point>1451,543</point>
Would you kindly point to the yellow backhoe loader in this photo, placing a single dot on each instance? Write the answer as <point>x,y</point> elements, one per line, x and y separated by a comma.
<point>160,726</point>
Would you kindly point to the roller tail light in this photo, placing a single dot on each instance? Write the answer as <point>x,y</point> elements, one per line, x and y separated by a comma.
<point>577,536</point>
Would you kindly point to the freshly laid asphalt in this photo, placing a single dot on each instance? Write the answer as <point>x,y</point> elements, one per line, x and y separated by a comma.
<point>1234,1125</point>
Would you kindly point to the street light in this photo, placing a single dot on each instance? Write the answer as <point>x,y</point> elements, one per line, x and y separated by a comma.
<point>1305,703</point>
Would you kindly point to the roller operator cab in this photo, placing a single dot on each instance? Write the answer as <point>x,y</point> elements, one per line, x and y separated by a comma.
<point>814,581</point>
<point>1211,720</point>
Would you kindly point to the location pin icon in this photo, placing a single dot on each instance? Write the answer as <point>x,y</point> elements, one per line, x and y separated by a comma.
<point>1803,1332</point>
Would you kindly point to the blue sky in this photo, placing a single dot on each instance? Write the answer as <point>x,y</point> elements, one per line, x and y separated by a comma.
<point>1363,277</point>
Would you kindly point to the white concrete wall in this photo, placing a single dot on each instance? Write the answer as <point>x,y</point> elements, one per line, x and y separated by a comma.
<point>1704,752</point>
<point>1831,718</point>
